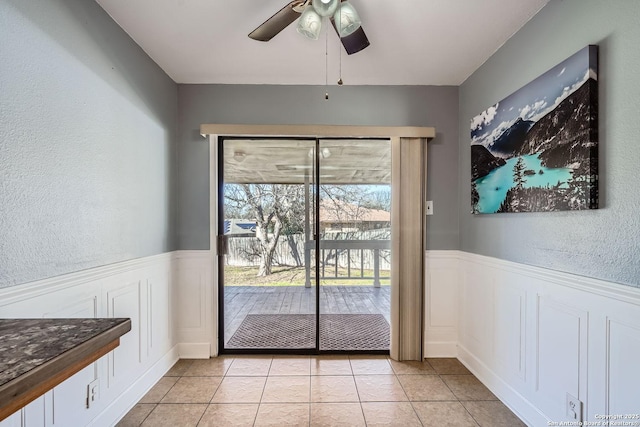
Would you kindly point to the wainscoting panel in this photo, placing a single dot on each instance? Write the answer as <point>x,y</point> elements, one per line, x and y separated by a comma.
<point>160,313</point>
<point>509,320</point>
<point>623,383</point>
<point>477,301</point>
<point>561,355</point>
<point>533,335</point>
<point>137,289</point>
<point>441,304</point>
<point>190,296</point>
<point>36,413</point>
<point>84,307</point>
<point>68,399</point>
<point>196,313</point>
<point>125,301</point>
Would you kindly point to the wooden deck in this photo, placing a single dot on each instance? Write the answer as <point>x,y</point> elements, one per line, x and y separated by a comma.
<point>242,300</point>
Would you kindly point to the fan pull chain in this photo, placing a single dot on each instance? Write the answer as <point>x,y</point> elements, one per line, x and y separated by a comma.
<point>326,64</point>
<point>340,54</point>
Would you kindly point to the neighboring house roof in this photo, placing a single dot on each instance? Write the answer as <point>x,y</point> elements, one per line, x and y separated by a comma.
<point>331,212</point>
<point>339,211</point>
<point>239,226</point>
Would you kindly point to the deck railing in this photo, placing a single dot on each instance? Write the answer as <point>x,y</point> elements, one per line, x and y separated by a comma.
<point>337,250</point>
<point>354,256</point>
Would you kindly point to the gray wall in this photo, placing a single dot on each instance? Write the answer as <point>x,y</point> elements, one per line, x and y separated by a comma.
<point>352,105</point>
<point>604,243</point>
<point>87,132</point>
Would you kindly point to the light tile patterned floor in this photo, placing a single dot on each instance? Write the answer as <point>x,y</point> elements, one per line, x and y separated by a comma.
<point>319,391</point>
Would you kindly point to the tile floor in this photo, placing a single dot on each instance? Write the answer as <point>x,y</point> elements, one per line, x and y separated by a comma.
<point>318,391</point>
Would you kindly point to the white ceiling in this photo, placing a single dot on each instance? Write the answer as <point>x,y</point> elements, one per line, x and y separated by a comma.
<point>413,42</point>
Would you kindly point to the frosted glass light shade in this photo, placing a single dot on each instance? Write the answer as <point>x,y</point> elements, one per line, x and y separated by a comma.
<point>325,7</point>
<point>310,23</point>
<point>346,19</point>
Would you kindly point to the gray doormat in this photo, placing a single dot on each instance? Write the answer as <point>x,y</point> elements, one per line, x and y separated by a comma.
<point>337,332</point>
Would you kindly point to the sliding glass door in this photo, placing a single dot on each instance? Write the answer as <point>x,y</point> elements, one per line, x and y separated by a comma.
<point>305,224</point>
<point>267,220</point>
<point>355,241</point>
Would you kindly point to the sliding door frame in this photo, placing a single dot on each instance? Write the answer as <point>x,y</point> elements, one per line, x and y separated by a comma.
<point>216,131</point>
<point>219,231</point>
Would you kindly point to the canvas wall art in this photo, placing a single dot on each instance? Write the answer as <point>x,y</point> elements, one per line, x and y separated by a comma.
<point>537,149</point>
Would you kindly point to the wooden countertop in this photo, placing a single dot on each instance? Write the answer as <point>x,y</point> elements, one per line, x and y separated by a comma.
<point>38,354</point>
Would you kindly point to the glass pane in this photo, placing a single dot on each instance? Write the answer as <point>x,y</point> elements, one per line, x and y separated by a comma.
<point>355,244</point>
<point>269,292</point>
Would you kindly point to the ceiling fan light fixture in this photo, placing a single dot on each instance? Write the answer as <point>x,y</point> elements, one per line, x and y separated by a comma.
<point>310,14</point>
<point>239,156</point>
<point>346,19</point>
<point>324,153</point>
<point>325,7</point>
<point>310,23</point>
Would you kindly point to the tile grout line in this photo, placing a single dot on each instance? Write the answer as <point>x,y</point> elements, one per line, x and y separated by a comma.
<point>155,405</point>
<point>143,420</point>
<point>353,376</point>
<point>458,400</point>
<point>264,387</point>
<point>214,393</point>
<point>397,374</point>
<point>309,406</point>
<point>406,394</point>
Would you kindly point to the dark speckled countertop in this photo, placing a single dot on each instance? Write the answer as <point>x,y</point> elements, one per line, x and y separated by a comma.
<point>33,350</point>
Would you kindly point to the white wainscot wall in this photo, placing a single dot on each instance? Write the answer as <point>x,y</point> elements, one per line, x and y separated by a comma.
<point>441,303</point>
<point>140,289</point>
<point>196,304</point>
<point>533,335</point>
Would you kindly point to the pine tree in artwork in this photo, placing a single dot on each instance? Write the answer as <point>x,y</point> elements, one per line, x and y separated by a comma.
<point>577,193</point>
<point>475,198</point>
<point>518,174</point>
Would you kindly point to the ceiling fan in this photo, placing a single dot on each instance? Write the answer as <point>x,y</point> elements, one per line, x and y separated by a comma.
<point>341,13</point>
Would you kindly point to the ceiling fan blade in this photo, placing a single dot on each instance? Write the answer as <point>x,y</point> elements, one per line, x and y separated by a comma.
<point>278,22</point>
<point>354,42</point>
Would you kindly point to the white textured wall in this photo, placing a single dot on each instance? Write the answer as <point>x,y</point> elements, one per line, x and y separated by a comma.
<point>603,243</point>
<point>87,124</point>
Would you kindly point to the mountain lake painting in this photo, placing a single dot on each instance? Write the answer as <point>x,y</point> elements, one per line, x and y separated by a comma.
<point>537,149</point>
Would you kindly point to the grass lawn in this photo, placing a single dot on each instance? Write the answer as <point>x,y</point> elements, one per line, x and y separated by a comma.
<point>293,276</point>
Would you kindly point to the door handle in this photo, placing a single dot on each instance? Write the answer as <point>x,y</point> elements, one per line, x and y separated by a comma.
<point>222,245</point>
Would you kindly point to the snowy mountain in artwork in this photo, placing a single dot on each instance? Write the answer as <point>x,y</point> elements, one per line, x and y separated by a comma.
<point>537,150</point>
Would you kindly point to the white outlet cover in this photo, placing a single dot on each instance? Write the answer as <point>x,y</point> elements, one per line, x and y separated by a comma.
<point>574,408</point>
<point>93,392</point>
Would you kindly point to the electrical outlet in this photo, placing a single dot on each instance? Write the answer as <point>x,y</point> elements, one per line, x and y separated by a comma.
<point>574,408</point>
<point>429,207</point>
<point>93,392</point>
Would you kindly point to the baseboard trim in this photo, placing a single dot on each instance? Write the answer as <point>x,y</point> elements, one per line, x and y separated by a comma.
<point>127,400</point>
<point>440,349</point>
<point>194,350</point>
<point>517,403</point>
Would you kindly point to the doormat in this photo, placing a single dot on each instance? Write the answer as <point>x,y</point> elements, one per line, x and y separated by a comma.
<point>337,332</point>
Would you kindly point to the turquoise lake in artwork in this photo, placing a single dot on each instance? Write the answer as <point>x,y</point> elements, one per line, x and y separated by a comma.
<point>493,187</point>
